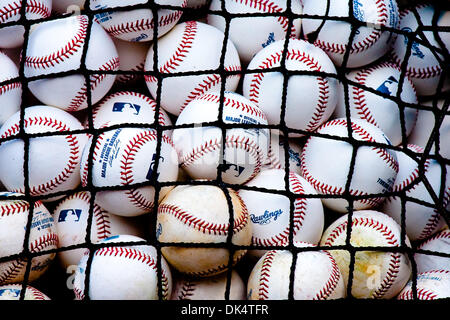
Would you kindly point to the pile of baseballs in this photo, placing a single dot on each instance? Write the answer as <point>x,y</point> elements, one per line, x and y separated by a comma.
<point>264,156</point>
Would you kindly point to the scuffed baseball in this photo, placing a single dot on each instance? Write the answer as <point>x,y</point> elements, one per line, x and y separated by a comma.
<point>123,272</point>
<point>199,214</point>
<point>376,274</point>
<point>270,213</point>
<point>264,30</point>
<point>136,25</point>
<point>325,164</point>
<point>125,157</point>
<point>211,288</point>
<point>42,237</point>
<point>276,155</point>
<point>370,42</point>
<point>201,151</point>
<point>431,285</point>
<point>190,47</point>
<point>310,98</point>
<point>10,11</point>
<point>71,216</point>
<point>54,160</point>
<point>427,120</point>
<point>57,46</point>
<point>421,221</point>
<point>375,108</point>
<point>13,292</point>
<point>438,243</point>
<point>10,88</point>
<point>316,276</point>
<point>424,66</point>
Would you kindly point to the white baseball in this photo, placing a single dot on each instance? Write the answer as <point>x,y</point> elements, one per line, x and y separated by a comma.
<point>136,25</point>
<point>438,243</point>
<point>211,288</point>
<point>71,216</point>
<point>13,225</point>
<point>374,171</point>
<point>310,99</point>
<point>264,30</point>
<point>132,59</point>
<point>200,214</point>
<point>421,221</point>
<point>431,285</point>
<point>425,126</point>
<point>10,11</point>
<point>200,147</point>
<point>375,108</point>
<point>54,160</point>
<point>190,47</point>
<point>10,88</point>
<point>57,46</point>
<point>270,213</point>
<point>127,107</point>
<point>376,274</point>
<point>424,65</point>
<point>370,42</point>
<point>125,157</point>
<point>126,272</point>
<point>276,153</point>
<point>13,292</point>
<point>317,276</point>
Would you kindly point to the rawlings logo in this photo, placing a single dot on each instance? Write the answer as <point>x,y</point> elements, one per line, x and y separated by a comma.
<point>269,40</point>
<point>125,107</point>
<point>357,12</point>
<point>142,37</point>
<point>415,47</point>
<point>70,215</point>
<point>266,217</point>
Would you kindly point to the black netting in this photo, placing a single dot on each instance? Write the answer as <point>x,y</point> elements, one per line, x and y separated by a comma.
<point>54,281</point>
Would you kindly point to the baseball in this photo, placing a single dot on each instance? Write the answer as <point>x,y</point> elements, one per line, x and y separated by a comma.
<point>132,59</point>
<point>427,120</point>
<point>376,274</point>
<point>211,288</point>
<point>317,276</point>
<point>13,292</point>
<point>53,160</point>
<point>264,30</point>
<point>270,213</point>
<point>10,88</point>
<point>310,99</point>
<point>190,47</point>
<point>127,107</point>
<point>370,42</point>
<point>127,272</point>
<point>136,25</point>
<point>421,221</point>
<point>42,237</point>
<point>431,285</point>
<point>125,157</point>
<point>438,243</point>
<point>424,66</point>
<point>374,107</point>
<point>276,155</point>
<point>71,216</point>
<point>57,46</point>
<point>374,172</point>
<point>200,147</point>
<point>201,215</point>
<point>10,11</point>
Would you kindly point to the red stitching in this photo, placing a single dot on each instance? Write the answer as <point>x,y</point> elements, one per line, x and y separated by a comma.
<point>9,208</point>
<point>444,234</point>
<point>13,270</point>
<point>186,291</point>
<point>264,277</point>
<point>9,87</point>
<point>12,9</point>
<point>422,293</point>
<point>58,56</point>
<point>49,239</point>
<point>332,282</point>
<point>81,97</point>
<point>145,24</point>
<point>312,64</point>
<point>138,255</point>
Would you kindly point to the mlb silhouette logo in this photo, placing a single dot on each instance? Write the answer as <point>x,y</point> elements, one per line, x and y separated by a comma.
<point>389,86</point>
<point>152,167</point>
<point>126,107</point>
<point>69,215</point>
